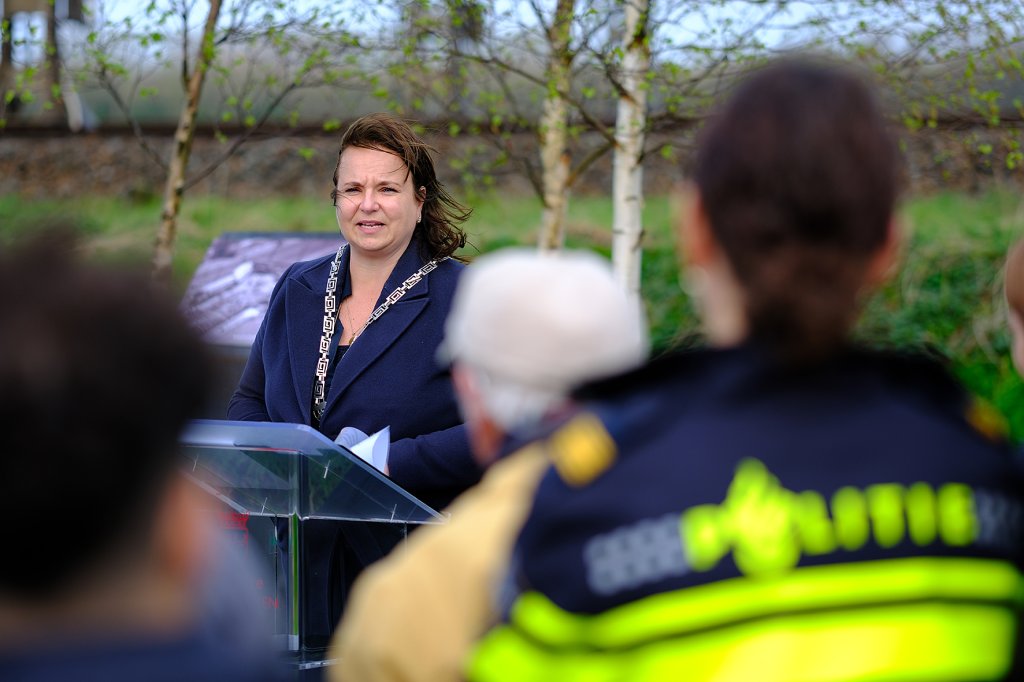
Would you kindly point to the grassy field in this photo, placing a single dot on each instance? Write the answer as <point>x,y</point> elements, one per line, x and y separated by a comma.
<point>946,296</point>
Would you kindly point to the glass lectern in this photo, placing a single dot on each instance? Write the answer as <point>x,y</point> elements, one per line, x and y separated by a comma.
<point>308,510</point>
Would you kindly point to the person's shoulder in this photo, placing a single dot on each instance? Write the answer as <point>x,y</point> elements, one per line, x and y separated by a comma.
<point>451,265</point>
<point>669,368</point>
<point>308,274</point>
<point>191,656</point>
<point>303,268</point>
<point>922,379</point>
<point>923,368</point>
<point>445,278</point>
<point>584,440</point>
<point>576,442</point>
<point>449,269</point>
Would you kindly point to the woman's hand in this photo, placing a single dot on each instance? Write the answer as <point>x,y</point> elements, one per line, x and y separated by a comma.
<point>349,436</point>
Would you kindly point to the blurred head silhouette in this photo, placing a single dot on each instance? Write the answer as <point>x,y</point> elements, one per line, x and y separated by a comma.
<point>98,374</point>
<point>526,328</point>
<point>791,216</point>
<point>1013,286</point>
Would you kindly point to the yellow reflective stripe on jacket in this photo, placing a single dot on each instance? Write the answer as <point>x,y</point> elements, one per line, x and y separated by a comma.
<point>815,587</point>
<point>818,623</point>
<point>909,642</point>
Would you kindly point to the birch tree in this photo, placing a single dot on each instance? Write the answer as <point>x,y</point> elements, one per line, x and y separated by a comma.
<point>521,74</point>
<point>554,127</point>
<point>953,65</point>
<point>631,123</point>
<point>667,64</point>
<point>579,59</point>
<point>163,250</point>
<point>554,69</point>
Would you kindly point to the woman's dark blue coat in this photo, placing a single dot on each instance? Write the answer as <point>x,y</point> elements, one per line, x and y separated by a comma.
<point>389,376</point>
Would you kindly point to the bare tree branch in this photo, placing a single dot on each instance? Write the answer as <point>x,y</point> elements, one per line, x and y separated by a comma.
<point>588,160</point>
<point>240,140</point>
<point>125,110</point>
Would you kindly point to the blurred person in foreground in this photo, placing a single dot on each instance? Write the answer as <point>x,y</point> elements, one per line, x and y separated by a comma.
<point>1013,289</point>
<point>525,329</point>
<point>783,505</point>
<point>110,571</point>
<point>348,340</point>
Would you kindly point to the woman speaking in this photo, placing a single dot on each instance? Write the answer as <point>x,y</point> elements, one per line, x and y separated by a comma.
<point>349,339</point>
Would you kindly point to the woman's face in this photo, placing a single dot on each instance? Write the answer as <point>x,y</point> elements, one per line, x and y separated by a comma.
<point>377,205</point>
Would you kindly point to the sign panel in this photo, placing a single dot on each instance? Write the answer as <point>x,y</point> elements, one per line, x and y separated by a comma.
<point>230,291</point>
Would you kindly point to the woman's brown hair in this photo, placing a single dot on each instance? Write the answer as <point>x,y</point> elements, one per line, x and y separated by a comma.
<point>439,232</point>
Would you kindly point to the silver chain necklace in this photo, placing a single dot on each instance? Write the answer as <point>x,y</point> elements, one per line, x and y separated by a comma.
<point>331,319</point>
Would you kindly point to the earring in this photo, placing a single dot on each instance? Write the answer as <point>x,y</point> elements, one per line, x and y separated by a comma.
<point>419,218</point>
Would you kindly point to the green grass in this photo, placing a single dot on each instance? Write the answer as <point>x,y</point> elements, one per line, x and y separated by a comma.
<point>947,294</point>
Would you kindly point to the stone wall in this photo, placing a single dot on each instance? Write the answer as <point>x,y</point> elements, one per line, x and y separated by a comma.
<point>113,164</point>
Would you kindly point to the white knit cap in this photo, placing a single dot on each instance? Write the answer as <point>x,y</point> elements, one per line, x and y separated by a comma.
<point>538,324</point>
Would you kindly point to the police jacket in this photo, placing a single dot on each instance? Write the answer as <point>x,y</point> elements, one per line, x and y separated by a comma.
<point>717,516</point>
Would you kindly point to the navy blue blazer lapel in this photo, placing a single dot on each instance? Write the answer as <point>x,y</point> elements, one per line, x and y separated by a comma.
<point>304,307</point>
<point>382,334</point>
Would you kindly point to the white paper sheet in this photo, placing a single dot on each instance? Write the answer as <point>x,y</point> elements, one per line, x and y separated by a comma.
<point>374,450</point>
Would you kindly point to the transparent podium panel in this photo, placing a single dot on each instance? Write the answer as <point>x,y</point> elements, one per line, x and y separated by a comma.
<point>312,515</point>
